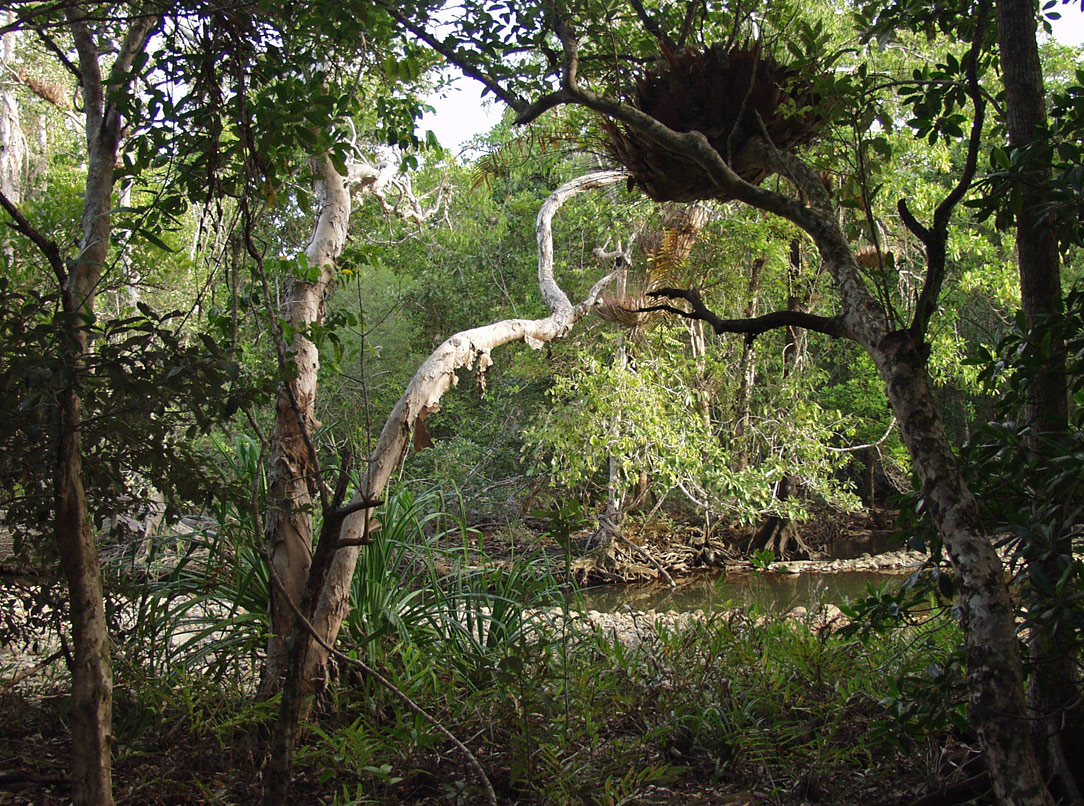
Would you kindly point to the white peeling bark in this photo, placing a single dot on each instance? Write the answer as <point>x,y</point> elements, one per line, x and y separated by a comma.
<point>470,350</point>
<point>13,146</point>
<point>291,465</point>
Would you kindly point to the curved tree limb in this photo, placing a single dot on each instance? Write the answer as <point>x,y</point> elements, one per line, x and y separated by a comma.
<point>752,327</point>
<point>325,598</point>
<point>47,246</point>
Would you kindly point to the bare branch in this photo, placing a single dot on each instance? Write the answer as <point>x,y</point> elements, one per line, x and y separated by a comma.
<point>832,326</point>
<point>552,294</point>
<point>455,57</point>
<point>877,444</point>
<point>936,238</point>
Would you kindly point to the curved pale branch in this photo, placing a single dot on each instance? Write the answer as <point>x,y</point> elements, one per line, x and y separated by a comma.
<point>470,350</point>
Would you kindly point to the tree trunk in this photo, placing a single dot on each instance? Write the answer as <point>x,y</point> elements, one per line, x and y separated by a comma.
<point>1036,240</point>
<point>292,466</point>
<point>994,670</point>
<point>776,531</point>
<point>1054,686</point>
<point>435,377</point>
<point>746,370</point>
<point>92,673</point>
<point>328,587</point>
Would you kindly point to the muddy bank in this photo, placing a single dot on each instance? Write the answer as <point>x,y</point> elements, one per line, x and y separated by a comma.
<point>641,628</point>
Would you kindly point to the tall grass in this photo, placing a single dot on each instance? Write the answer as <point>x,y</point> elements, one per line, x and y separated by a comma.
<point>558,711</point>
<point>197,599</point>
<point>425,579</point>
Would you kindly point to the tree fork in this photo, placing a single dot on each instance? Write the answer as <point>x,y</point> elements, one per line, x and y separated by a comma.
<point>326,592</point>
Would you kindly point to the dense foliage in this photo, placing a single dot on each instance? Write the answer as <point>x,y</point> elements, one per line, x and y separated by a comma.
<point>464,609</point>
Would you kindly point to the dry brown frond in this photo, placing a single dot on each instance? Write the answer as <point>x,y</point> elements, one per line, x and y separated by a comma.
<point>52,91</point>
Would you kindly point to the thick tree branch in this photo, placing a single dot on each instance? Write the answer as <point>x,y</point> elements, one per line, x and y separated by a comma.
<point>554,297</point>
<point>47,246</point>
<point>917,228</point>
<point>693,145</point>
<point>935,238</point>
<point>832,326</point>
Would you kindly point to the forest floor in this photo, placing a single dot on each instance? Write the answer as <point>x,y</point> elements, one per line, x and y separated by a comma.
<point>726,709</point>
<point>199,746</point>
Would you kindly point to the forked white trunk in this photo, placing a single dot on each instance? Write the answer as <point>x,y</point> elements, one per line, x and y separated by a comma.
<point>291,464</point>
<point>468,350</point>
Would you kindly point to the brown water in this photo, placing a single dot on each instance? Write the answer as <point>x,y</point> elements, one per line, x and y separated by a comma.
<point>771,591</point>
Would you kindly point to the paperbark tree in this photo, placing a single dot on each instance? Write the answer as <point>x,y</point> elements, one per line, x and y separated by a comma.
<point>295,485</point>
<point>995,673</point>
<point>292,467</point>
<point>324,601</point>
<point>469,350</point>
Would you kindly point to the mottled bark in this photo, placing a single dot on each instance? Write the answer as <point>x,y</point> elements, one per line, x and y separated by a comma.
<point>292,465</point>
<point>995,672</point>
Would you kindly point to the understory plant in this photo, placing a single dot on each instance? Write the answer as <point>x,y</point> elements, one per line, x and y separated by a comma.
<point>637,419</point>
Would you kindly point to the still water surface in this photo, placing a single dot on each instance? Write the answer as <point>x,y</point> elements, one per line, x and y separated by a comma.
<point>775,592</point>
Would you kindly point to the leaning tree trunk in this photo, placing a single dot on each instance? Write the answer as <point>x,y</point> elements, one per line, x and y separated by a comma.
<point>326,593</point>
<point>435,377</point>
<point>292,466</point>
<point>995,674</point>
<point>92,673</point>
<point>326,597</point>
<point>994,669</point>
<point>1054,685</point>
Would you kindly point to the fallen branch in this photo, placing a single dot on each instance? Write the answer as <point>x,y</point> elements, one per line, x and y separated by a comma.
<point>651,559</point>
<point>19,677</point>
